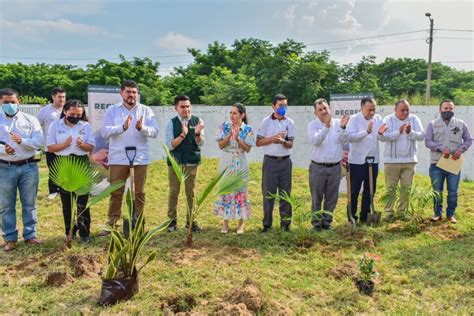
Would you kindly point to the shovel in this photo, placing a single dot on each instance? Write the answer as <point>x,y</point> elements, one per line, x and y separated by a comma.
<point>131,152</point>
<point>373,217</point>
<point>351,218</point>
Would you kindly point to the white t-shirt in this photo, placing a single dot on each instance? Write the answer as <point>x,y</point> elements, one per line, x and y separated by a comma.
<point>46,116</point>
<point>58,133</point>
<point>270,126</point>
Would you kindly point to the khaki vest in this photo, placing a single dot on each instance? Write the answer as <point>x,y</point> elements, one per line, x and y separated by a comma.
<point>449,135</point>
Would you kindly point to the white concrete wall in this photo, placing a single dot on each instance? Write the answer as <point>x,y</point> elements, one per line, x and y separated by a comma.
<point>214,115</point>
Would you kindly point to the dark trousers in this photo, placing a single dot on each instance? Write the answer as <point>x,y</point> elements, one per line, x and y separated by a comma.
<point>276,175</point>
<point>83,214</point>
<point>324,186</point>
<point>50,157</point>
<point>359,175</point>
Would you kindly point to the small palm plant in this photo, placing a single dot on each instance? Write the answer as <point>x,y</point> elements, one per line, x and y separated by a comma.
<point>78,178</point>
<point>418,198</point>
<point>300,217</point>
<point>121,275</point>
<point>223,183</point>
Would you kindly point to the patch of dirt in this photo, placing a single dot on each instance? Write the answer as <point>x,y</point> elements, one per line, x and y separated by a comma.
<point>365,244</point>
<point>250,295</point>
<point>278,309</point>
<point>84,265</point>
<point>227,255</point>
<point>180,304</point>
<point>58,278</point>
<point>228,309</point>
<point>344,270</point>
<point>306,242</point>
<point>444,232</point>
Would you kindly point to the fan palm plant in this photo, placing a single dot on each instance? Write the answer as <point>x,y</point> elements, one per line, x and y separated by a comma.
<point>78,177</point>
<point>223,183</point>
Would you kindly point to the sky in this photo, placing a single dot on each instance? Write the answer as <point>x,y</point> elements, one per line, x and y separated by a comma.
<point>82,31</point>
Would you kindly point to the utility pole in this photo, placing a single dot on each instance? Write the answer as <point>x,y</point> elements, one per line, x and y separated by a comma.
<point>428,77</point>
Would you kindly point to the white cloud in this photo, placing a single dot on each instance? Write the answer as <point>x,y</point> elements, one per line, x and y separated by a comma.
<point>49,9</point>
<point>176,41</point>
<point>37,30</point>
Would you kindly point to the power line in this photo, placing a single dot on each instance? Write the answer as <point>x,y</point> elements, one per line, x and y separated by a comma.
<point>86,58</point>
<point>363,38</point>
<point>455,38</point>
<point>376,44</point>
<point>454,30</point>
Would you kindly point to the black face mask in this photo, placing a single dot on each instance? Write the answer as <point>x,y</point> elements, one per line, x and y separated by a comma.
<point>447,115</point>
<point>73,120</point>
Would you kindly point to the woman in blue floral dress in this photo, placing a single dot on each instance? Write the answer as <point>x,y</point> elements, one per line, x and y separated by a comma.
<point>235,139</point>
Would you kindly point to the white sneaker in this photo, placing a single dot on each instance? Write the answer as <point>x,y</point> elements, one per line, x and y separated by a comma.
<point>52,196</point>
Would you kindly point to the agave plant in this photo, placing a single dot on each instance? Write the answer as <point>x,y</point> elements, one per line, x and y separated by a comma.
<point>78,178</point>
<point>123,253</point>
<point>418,199</point>
<point>221,184</point>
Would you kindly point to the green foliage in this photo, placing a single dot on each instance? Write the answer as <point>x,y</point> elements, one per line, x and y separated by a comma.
<point>27,99</point>
<point>123,253</point>
<point>250,71</point>
<point>366,265</point>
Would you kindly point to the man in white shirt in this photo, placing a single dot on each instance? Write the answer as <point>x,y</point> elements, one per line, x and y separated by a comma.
<point>184,138</point>
<point>327,136</point>
<point>276,134</point>
<point>128,124</point>
<point>363,137</point>
<point>403,131</point>
<point>46,116</point>
<point>20,139</point>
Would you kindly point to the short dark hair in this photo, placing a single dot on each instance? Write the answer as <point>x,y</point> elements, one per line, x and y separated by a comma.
<point>9,91</point>
<point>445,100</point>
<point>367,100</point>
<point>74,104</point>
<point>57,90</point>
<point>278,97</point>
<point>319,101</point>
<point>241,108</point>
<point>402,101</point>
<point>128,84</point>
<point>181,97</point>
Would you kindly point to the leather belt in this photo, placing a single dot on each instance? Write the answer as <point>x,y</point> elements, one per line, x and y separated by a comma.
<point>326,164</point>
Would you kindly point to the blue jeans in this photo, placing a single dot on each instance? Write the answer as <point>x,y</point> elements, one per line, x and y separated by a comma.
<point>25,179</point>
<point>438,176</point>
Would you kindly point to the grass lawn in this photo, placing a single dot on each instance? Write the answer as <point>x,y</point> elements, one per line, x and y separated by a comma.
<point>428,272</point>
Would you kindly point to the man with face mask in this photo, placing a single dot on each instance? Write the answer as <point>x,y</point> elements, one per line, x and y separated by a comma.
<point>184,139</point>
<point>127,124</point>
<point>20,138</point>
<point>403,131</point>
<point>449,137</point>
<point>364,130</point>
<point>327,136</point>
<point>276,134</point>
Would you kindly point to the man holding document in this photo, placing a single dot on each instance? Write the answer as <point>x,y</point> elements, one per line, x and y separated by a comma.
<point>448,138</point>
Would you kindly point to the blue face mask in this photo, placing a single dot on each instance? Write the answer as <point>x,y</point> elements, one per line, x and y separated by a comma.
<point>282,110</point>
<point>10,109</point>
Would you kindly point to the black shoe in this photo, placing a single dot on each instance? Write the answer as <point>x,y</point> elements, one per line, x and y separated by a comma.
<point>172,226</point>
<point>285,227</point>
<point>195,227</point>
<point>317,228</point>
<point>327,227</point>
<point>86,240</point>
<point>266,229</point>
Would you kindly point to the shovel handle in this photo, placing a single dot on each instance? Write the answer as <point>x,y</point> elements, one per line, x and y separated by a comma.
<point>370,160</point>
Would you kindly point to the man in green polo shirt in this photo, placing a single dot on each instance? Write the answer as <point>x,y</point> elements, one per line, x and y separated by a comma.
<point>184,138</point>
